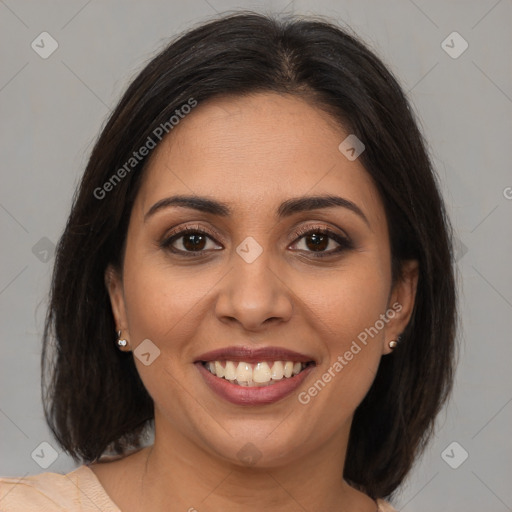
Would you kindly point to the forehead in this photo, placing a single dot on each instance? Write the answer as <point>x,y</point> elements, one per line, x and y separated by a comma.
<point>254,152</point>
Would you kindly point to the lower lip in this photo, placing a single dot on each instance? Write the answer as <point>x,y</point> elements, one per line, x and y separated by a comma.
<point>243,395</point>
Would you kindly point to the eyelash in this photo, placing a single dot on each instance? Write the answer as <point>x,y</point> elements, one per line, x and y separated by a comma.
<point>344,243</point>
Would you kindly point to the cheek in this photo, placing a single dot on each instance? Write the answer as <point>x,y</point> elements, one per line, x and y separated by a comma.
<point>349,301</point>
<point>161,300</point>
<point>160,306</point>
<point>347,309</point>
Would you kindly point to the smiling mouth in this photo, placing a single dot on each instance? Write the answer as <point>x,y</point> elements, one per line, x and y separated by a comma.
<point>261,374</point>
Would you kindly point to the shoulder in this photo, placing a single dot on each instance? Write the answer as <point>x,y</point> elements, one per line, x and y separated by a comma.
<point>384,506</point>
<point>77,491</point>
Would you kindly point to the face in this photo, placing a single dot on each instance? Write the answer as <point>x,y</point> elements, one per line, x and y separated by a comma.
<point>265,271</point>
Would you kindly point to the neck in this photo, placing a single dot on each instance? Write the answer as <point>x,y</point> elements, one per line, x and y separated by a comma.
<point>177,474</point>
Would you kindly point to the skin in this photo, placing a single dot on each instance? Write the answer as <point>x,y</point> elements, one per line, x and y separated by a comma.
<point>252,153</point>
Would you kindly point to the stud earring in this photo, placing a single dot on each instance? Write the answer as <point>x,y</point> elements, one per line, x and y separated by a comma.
<point>121,343</point>
<point>393,343</point>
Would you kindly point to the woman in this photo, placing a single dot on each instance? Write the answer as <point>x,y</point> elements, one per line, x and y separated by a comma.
<point>257,268</point>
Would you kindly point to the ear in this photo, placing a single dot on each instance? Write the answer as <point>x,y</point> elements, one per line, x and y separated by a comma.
<point>114,284</point>
<point>402,299</point>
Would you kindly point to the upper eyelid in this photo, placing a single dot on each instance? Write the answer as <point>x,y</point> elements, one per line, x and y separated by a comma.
<point>180,231</point>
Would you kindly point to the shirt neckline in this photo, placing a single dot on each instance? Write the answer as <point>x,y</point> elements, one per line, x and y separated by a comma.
<point>87,475</point>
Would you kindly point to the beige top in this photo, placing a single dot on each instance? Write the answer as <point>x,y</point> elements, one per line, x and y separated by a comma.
<point>78,491</point>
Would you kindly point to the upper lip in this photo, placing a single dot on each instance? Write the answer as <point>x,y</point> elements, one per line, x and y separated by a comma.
<point>254,355</point>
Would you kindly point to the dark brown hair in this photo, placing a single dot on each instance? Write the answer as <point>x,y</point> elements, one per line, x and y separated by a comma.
<point>94,399</point>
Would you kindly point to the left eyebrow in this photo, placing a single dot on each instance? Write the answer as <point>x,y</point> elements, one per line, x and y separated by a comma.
<point>286,209</point>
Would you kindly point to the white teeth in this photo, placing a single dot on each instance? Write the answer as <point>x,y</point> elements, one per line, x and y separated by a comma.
<point>219,369</point>
<point>230,371</point>
<point>259,374</point>
<point>244,372</point>
<point>277,372</point>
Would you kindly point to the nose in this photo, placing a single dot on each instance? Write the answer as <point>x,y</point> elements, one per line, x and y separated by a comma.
<point>254,295</point>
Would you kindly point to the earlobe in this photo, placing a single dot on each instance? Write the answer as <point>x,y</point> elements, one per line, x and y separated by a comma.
<point>403,299</point>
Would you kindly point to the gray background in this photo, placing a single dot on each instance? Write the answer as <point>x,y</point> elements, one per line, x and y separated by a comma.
<point>52,109</point>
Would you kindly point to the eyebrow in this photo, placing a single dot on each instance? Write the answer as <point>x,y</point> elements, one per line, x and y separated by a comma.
<point>286,209</point>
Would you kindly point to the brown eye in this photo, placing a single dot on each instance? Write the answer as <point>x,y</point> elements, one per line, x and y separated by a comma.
<point>194,242</point>
<point>317,240</point>
<point>188,241</point>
